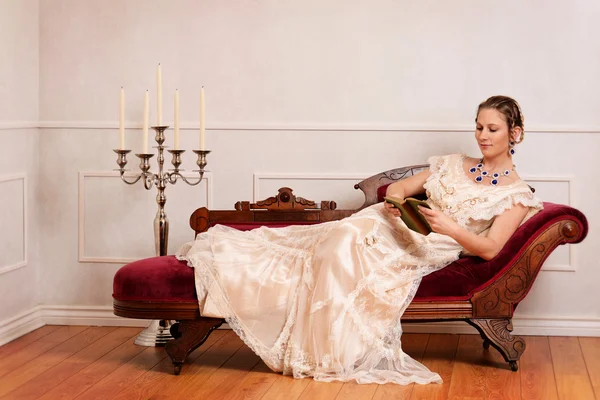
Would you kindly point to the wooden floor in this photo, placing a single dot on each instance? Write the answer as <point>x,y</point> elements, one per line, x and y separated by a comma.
<point>78,362</point>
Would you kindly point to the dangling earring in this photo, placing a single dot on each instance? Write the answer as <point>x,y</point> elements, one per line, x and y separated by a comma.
<point>511,150</point>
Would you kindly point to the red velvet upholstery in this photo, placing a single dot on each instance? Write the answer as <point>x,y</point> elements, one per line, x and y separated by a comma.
<point>381,191</point>
<point>155,279</point>
<point>167,279</point>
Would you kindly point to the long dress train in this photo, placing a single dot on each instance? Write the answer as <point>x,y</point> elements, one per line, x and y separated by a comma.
<point>325,301</point>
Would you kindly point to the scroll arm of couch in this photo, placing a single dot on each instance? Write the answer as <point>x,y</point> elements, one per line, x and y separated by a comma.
<point>523,257</point>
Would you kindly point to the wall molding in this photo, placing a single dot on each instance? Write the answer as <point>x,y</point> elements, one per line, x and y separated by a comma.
<point>39,316</point>
<point>312,126</point>
<point>23,262</point>
<point>81,213</point>
<point>6,125</point>
<point>570,267</point>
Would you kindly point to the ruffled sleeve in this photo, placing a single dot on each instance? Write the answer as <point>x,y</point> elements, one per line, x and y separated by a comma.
<point>505,200</point>
<point>438,165</point>
<point>435,163</point>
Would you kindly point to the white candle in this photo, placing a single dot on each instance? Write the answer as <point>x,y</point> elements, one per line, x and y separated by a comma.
<point>122,119</point>
<point>159,95</point>
<point>202,118</point>
<point>176,124</point>
<point>145,123</point>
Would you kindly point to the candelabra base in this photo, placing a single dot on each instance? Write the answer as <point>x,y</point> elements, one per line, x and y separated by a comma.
<point>155,335</point>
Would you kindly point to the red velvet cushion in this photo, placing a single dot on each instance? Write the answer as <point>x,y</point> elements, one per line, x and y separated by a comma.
<point>169,280</point>
<point>155,279</point>
<point>381,192</point>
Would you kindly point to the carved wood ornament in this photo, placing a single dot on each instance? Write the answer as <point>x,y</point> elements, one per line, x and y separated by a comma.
<point>500,298</point>
<point>284,200</point>
<point>189,335</point>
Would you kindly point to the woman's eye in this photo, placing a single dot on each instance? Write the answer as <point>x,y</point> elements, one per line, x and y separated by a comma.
<point>493,130</point>
<point>478,128</point>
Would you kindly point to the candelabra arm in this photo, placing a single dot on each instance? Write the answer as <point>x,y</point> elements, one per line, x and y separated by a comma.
<point>133,182</point>
<point>122,162</point>
<point>149,180</point>
<point>173,176</point>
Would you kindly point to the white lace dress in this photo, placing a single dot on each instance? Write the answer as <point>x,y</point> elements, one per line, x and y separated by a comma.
<point>325,301</point>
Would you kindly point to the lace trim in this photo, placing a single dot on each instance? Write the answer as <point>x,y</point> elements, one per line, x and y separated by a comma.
<point>413,270</point>
<point>526,199</point>
<point>436,165</point>
<point>273,357</point>
<point>373,239</point>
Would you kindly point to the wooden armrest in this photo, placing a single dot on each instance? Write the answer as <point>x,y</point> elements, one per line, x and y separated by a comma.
<point>523,256</point>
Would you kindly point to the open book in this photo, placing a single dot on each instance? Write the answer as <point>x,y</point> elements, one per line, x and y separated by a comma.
<point>410,213</point>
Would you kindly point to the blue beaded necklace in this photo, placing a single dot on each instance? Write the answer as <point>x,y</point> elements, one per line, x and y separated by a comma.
<point>494,177</point>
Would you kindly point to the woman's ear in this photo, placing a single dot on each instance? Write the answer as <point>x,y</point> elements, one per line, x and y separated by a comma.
<point>516,135</point>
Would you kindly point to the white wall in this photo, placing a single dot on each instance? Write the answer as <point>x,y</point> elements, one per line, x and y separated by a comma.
<point>19,150</point>
<point>320,92</point>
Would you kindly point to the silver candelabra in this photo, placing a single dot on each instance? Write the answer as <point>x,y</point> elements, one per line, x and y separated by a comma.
<point>158,332</point>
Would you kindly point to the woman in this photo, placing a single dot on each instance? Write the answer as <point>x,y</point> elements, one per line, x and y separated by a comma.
<point>325,300</point>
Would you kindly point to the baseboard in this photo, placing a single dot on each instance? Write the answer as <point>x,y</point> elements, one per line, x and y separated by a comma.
<point>20,325</point>
<point>523,325</point>
<point>39,316</point>
<point>87,315</point>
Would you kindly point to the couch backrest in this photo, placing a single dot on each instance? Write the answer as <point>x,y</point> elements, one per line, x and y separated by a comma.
<point>203,218</point>
<point>375,185</point>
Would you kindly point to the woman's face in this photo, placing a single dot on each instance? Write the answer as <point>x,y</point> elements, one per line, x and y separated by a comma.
<point>492,133</point>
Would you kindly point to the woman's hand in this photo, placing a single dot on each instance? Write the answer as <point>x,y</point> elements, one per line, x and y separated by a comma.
<point>439,222</point>
<point>391,209</point>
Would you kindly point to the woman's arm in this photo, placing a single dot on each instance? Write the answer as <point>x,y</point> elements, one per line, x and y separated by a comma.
<point>409,186</point>
<point>487,247</point>
<point>406,188</point>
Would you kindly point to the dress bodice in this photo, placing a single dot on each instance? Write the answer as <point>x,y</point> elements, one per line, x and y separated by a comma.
<point>473,205</point>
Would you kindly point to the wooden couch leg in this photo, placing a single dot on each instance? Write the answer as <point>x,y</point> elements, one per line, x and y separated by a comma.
<point>189,335</point>
<point>497,332</point>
